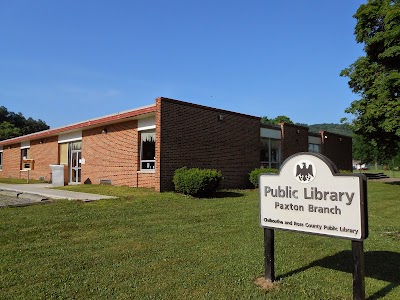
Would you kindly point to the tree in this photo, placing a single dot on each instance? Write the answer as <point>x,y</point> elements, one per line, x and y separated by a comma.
<point>282,119</point>
<point>14,124</point>
<point>363,151</point>
<point>8,131</point>
<point>32,126</point>
<point>266,120</point>
<point>375,77</point>
<point>277,120</point>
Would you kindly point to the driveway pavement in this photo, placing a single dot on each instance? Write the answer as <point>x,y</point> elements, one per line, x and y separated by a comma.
<point>24,194</point>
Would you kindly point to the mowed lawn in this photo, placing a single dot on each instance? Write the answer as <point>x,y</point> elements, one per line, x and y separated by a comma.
<point>145,245</point>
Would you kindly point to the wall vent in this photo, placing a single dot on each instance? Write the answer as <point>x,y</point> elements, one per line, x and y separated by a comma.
<point>105,182</point>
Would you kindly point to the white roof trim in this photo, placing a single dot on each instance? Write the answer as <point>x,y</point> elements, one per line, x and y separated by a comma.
<point>147,123</point>
<point>25,145</point>
<point>70,137</point>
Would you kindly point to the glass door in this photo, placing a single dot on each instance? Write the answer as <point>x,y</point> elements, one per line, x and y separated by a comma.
<point>75,167</point>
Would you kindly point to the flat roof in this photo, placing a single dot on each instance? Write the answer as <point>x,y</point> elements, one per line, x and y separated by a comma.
<point>113,118</point>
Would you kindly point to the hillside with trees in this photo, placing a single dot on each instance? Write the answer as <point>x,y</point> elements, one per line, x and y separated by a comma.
<point>343,129</point>
<point>15,124</point>
<point>331,127</point>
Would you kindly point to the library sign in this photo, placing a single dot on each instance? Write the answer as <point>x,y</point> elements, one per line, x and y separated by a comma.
<point>309,195</point>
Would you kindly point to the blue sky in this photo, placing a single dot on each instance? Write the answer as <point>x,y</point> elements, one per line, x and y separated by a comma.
<point>69,61</point>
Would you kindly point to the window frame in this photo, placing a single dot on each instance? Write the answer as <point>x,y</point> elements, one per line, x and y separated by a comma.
<point>141,160</point>
<point>313,146</point>
<point>271,163</point>
<point>24,157</point>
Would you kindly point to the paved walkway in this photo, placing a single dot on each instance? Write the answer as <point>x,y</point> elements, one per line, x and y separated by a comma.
<point>14,194</point>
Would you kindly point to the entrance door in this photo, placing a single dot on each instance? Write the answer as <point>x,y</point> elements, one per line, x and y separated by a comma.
<point>75,167</point>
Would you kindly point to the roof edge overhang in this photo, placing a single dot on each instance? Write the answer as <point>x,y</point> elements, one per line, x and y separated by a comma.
<point>137,113</point>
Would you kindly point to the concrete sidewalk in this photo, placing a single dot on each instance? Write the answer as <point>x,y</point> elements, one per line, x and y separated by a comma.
<point>43,191</point>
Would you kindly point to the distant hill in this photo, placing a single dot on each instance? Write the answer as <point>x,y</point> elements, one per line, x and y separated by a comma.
<point>331,127</point>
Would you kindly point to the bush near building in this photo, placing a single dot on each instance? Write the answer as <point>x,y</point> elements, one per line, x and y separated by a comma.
<point>255,174</point>
<point>196,182</point>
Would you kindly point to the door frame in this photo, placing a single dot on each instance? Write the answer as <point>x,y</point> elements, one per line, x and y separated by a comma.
<point>77,168</point>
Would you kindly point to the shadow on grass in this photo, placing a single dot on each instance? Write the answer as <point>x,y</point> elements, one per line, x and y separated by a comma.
<point>227,194</point>
<point>394,182</point>
<point>219,195</point>
<point>380,265</point>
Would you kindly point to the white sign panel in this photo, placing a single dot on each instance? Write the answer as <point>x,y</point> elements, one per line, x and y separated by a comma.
<point>309,195</point>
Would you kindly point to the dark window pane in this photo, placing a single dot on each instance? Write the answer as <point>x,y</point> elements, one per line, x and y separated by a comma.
<point>148,150</point>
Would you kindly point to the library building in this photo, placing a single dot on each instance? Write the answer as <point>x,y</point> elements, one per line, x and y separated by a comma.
<point>143,147</point>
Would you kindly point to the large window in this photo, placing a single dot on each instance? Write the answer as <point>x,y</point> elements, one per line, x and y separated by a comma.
<point>1,160</point>
<point>148,150</point>
<point>270,153</point>
<point>315,148</point>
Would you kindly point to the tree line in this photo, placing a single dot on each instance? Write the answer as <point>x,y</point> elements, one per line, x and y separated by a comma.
<point>15,124</point>
<point>343,129</point>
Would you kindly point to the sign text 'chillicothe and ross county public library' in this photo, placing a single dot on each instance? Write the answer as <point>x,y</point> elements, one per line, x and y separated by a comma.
<point>309,195</point>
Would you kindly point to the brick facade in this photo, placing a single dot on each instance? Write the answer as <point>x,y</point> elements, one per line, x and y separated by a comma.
<point>11,161</point>
<point>147,180</point>
<point>337,148</point>
<point>112,155</point>
<point>197,136</point>
<point>44,152</point>
<point>294,139</point>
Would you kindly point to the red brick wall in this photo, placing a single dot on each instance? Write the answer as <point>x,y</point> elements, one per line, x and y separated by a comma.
<point>11,161</point>
<point>294,140</point>
<point>43,154</point>
<point>113,155</point>
<point>193,136</point>
<point>146,180</point>
<point>338,148</point>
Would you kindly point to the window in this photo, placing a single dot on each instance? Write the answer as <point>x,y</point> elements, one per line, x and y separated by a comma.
<point>63,149</point>
<point>270,153</point>
<point>1,160</point>
<point>148,151</point>
<point>24,156</point>
<point>24,153</point>
<point>315,148</point>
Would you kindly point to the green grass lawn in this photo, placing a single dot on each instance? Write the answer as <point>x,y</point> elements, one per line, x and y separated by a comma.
<point>18,181</point>
<point>146,245</point>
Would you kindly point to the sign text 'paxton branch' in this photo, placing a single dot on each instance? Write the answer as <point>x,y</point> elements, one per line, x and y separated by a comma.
<point>308,195</point>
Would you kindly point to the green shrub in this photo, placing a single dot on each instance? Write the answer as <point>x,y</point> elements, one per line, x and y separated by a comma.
<point>253,175</point>
<point>196,182</point>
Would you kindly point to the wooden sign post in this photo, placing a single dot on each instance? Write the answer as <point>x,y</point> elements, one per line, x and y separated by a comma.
<point>310,195</point>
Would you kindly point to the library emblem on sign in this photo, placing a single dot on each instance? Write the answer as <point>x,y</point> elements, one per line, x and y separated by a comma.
<point>305,171</point>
